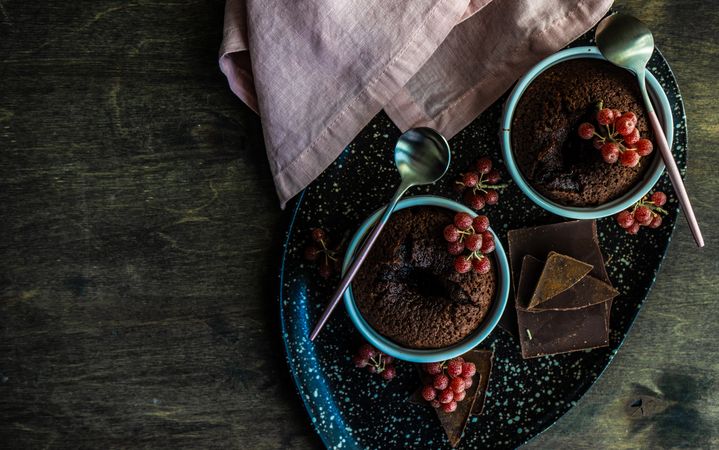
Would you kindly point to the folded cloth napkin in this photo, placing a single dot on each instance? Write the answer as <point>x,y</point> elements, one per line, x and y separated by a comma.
<point>317,71</point>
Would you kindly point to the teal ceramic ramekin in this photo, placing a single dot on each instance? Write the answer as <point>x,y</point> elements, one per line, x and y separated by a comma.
<point>432,355</point>
<point>661,104</point>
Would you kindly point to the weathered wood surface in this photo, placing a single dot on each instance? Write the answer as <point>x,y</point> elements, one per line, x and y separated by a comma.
<point>140,236</point>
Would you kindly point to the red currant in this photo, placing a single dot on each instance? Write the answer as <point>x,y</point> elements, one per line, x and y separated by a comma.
<point>616,114</point>
<point>586,130</point>
<point>470,179</point>
<point>429,393</point>
<point>455,248</point>
<point>459,396</point>
<point>644,147</point>
<point>457,384</point>
<point>475,201</point>
<point>481,265</point>
<point>625,219</point>
<point>318,235</point>
<point>480,224</point>
<point>656,221</point>
<point>446,396</point>
<point>491,197</point>
<point>487,242</point>
<point>450,407</point>
<point>389,373</point>
<point>359,361</point>
<point>462,264</point>
<point>484,165</point>
<point>631,116</point>
<point>643,215</point>
<point>451,233</point>
<point>366,351</point>
<point>462,220</point>
<point>434,368</point>
<point>468,383</point>
<point>659,198</point>
<point>493,177</point>
<point>312,253</point>
<point>610,152</point>
<point>387,359</point>
<point>634,229</point>
<point>473,242</point>
<point>605,116</point>
<point>454,367</point>
<point>468,369</point>
<point>629,158</point>
<point>435,403</point>
<point>632,138</point>
<point>624,125</point>
<point>440,382</point>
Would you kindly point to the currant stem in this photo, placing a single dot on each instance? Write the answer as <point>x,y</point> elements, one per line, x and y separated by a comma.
<point>481,187</point>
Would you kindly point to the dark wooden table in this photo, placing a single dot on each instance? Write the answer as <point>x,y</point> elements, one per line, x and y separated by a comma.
<point>141,233</point>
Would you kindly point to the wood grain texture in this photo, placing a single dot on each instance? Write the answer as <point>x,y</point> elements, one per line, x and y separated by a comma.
<point>141,234</point>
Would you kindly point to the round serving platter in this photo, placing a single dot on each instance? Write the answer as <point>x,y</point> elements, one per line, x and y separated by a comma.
<point>351,408</point>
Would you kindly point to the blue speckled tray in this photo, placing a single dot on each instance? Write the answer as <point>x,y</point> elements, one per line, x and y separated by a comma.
<point>351,408</point>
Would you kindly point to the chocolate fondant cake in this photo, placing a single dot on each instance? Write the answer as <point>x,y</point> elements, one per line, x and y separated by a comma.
<point>407,289</point>
<point>552,157</point>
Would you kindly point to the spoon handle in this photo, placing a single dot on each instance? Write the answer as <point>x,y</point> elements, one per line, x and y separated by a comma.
<point>676,179</point>
<point>359,259</point>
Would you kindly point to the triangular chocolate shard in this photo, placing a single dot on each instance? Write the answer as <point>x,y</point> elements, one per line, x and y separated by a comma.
<point>560,273</point>
<point>587,292</point>
<point>454,423</point>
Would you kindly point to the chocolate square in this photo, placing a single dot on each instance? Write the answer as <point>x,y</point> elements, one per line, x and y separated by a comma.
<point>560,273</point>
<point>577,239</point>
<point>587,292</point>
<point>557,331</point>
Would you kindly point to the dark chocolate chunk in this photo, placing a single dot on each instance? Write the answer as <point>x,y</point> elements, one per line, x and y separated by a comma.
<point>587,292</point>
<point>577,239</point>
<point>560,273</point>
<point>551,332</point>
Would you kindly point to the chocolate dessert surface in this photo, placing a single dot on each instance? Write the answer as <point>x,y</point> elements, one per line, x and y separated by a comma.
<point>551,156</point>
<point>408,291</point>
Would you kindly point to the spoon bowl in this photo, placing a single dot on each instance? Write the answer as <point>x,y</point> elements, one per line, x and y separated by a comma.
<point>628,43</point>
<point>625,41</point>
<point>421,156</point>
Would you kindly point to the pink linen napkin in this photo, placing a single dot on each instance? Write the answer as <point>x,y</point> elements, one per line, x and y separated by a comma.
<point>317,71</point>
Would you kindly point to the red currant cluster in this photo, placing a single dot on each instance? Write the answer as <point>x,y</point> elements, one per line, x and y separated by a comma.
<point>480,185</point>
<point>646,212</point>
<point>449,382</point>
<point>473,235</point>
<point>375,361</point>
<point>318,251</point>
<point>617,137</point>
